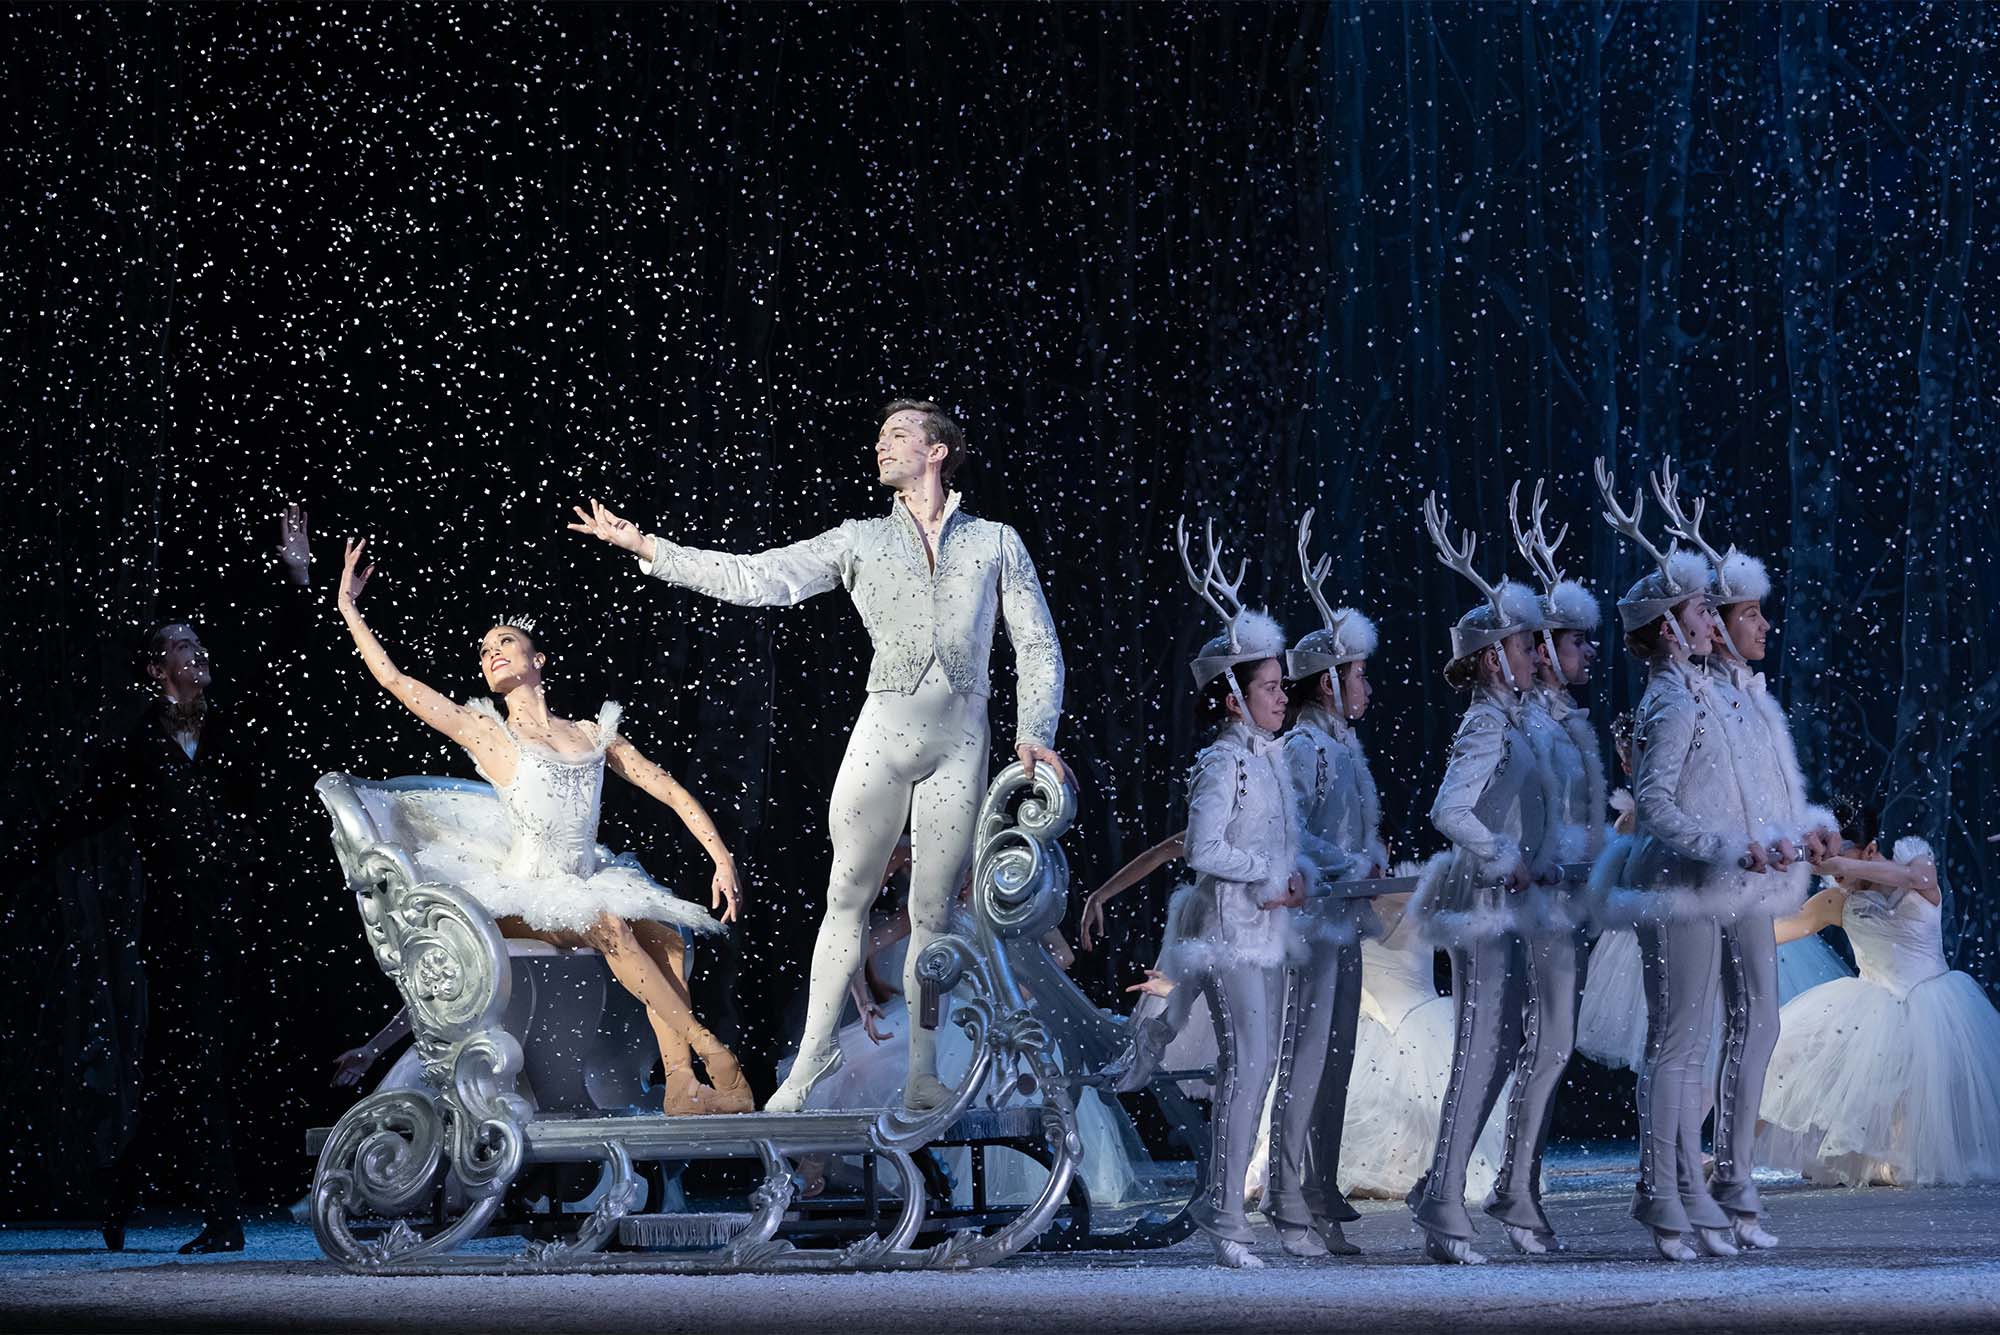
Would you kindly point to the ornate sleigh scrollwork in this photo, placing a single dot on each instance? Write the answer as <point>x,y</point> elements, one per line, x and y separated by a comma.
<point>454,1147</point>
<point>392,1150</point>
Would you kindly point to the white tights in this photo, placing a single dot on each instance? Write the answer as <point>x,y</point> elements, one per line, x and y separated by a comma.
<point>917,760</point>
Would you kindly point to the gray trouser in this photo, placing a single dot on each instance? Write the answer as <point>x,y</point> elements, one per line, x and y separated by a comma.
<point>1244,1002</point>
<point>1749,1033</point>
<point>1553,963</point>
<point>1681,959</point>
<point>1315,1059</point>
<point>1486,993</point>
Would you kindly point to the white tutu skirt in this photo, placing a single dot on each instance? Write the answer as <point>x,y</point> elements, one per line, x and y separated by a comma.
<point>561,902</point>
<point>1611,1021</point>
<point>1393,1100</point>
<point>1869,1086</point>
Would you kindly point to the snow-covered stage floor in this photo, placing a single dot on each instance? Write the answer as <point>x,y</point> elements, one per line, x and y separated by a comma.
<point>1876,1259</point>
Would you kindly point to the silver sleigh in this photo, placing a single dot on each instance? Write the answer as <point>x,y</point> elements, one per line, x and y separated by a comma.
<point>408,1177</point>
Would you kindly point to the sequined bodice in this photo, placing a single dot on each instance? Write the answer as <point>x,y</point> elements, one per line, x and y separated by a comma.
<point>1897,937</point>
<point>552,802</point>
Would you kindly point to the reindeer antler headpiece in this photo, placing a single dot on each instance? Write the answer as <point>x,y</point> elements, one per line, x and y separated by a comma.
<point>1246,637</point>
<point>1509,607</point>
<point>1681,574</point>
<point>1566,604</point>
<point>1346,635</point>
<point>1738,576</point>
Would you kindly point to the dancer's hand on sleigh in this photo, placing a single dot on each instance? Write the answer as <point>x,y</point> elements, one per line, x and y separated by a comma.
<point>1033,753</point>
<point>1090,927</point>
<point>599,522</point>
<point>1520,878</point>
<point>1756,859</point>
<point>1788,853</point>
<point>1156,984</point>
<point>725,891</point>
<point>352,580</point>
<point>1294,896</point>
<point>351,1065</point>
<point>871,1022</point>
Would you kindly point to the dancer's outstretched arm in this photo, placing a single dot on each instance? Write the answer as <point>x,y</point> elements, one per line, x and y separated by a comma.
<point>725,890</point>
<point>1919,874</point>
<point>1821,911</point>
<point>775,578</point>
<point>1090,927</point>
<point>478,734</point>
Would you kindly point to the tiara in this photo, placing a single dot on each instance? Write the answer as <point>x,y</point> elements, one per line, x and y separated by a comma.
<point>526,623</point>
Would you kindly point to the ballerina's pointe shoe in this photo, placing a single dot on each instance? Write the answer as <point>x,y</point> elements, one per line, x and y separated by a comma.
<point>685,1096</point>
<point>1526,1241</point>
<point>1750,1232</point>
<point>1716,1241</point>
<point>925,1093</point>
<point>1672,1246</point>
<point>1451,1251</point>
<point>1235,1256</point>
<point>808,1069</point>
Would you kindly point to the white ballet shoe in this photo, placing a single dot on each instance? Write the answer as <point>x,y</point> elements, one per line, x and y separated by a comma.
<point>1234,1255</point>
<point>1526,1241</point>
<point>1750,1232</point>
<point>1301,1242</point>
<point>1672,1246</point>
<point>807,1070</point>
<point>1450,1251</point>
<point>925,1093</point>
<point>1716,1241</point>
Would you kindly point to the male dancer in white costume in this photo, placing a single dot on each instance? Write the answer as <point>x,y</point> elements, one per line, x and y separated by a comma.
<point>929,582</point>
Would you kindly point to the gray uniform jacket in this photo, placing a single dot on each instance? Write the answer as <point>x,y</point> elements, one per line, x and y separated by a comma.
<point>1243,845</point>
<point>914,615</point>
<point>1496,805</point>
<point>1340,813</point>
<point>1694,821</point>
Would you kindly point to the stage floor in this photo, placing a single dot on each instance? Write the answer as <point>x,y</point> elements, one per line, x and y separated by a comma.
<point>1872,1259</point>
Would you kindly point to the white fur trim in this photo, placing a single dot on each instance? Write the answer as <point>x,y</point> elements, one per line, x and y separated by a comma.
<point>1570,606</point>
<point>1357,634</point>
<point>1621,800</point>
<point>1742,579</point>
<point>1522,607</point>
<point>1909,848</point>
<point>1688,570</point>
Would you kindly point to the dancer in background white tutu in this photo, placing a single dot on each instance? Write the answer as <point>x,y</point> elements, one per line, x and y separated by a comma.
<point>1892,1077</point>
<point>551,880</point>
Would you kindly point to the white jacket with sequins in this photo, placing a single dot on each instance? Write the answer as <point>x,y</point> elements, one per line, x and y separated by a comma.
<point>1340,813</point>
<point>1243,846</point>
<point>1774,786</point>
<point>1496,805</point>
<point>914,614</point>
<point>1694,822</point>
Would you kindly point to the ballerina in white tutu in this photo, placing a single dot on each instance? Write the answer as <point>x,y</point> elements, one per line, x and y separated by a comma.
<point>1892,1077</point>
<point>552,881</point>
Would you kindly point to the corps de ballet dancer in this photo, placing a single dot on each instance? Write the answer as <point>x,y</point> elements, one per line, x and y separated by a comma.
<point>930,582</point>
<point>1553,943</point>
<point>1496,806</point>
<point>1243,846</point>
<point>553,882</point>
<point>1611,1022</point>
<point>1892,1077</point>
<point>1689,866</point>
<point>1784,822</point>
<point>1340,820</point>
